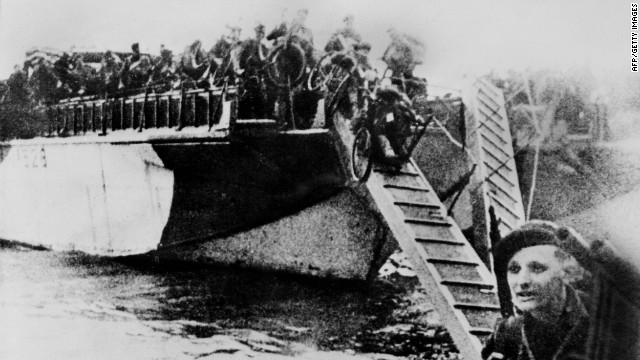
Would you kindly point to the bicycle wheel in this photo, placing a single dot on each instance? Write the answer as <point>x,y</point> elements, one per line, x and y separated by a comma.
<point>361,155</point>
<point>320,73</point>
<point>286,63</point>
<point>336,97</point>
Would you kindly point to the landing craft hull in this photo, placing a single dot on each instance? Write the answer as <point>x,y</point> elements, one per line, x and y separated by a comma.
<point>271,200</point>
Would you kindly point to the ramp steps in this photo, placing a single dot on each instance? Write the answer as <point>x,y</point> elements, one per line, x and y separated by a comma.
<point>451,261</point>
<point>422,212</point>
<point>477,306</point>
<point>471,284</point>
<point>412,195</point>
<point>440,241</point>
<point>402,181</point>
<point>393,172</point>
<point>430,221</point>
<point>461,286</point>
<point>417,204</point>
<point>404,187</point>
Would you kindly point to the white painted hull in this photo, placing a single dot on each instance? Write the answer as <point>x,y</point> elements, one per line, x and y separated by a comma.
<point>98,198</point>
<point>277,202</point>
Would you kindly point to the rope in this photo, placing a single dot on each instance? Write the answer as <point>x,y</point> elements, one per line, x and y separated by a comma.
<point>450,137</point>
<point>533,180</point>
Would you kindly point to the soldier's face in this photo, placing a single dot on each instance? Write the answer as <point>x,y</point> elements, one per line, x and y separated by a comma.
<point>302,16</point>
<point>348,22</point>
<point>535,278</point>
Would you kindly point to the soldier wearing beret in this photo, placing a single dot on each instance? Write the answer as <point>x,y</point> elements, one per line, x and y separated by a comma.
<point>549,319</point>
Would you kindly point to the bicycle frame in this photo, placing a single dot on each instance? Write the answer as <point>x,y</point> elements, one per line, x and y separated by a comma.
<point>380,113</point>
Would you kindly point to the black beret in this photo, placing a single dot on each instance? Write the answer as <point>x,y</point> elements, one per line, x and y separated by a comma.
<point>517,240</point>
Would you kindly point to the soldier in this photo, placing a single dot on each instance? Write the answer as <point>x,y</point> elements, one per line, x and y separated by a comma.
<point>195,63</point>
<point>109,69</point>
<point>550,320</point>
<point>402,56</point>
<point>136,70</point>
<point>299,33</point>
<point>253,52</point>
<point>222,47</point>
<point>256,102</point>
<point>344,38</point>
<point>164,74</point>
<point>135,55</point>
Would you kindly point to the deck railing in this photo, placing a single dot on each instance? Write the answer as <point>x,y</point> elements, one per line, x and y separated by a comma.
<point>173,109</point>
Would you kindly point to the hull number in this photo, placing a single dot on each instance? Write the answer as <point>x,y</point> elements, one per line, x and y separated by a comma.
<point>32,157</point>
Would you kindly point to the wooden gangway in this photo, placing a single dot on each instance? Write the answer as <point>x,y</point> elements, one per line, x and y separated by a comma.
<point>457,282</point>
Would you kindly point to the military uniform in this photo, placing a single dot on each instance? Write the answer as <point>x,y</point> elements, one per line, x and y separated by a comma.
<point>521,336</point>
<point>525,338</point>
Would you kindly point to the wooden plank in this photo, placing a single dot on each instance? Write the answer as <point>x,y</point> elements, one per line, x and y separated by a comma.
<point>498,178</point>
<point>401,181</point>
<point>496,163</point>
<point>390,171</point>
<point>472,294</point>
<point>486,140</point>
<point>417,204</point>
<point>435,260</point>
<point>440,241</point>
<point>446,252</point>
<point>506,196</point>
<point>496,201</point>
<point>421,212</point>
<point>476,284</point>
<point>428,221</point>
<point>499,156</point>
<point>492,132</point>
<point>412,196</point>
<point>405,187</point>
<point>492,113</point>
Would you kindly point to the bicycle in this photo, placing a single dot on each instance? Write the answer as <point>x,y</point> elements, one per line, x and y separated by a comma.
<point>331,75</point>
<point>388,117</point>
<point>286,62</point>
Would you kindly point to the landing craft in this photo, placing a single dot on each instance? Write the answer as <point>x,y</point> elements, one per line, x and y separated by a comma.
<point>117,178</point>
<point>178,175</point>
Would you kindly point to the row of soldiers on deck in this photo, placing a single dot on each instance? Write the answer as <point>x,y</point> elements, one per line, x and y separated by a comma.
<point>48,76</point>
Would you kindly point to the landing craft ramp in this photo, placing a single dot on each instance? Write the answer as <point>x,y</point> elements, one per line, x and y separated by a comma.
<point>458,283</point>
<point>495,185</point>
